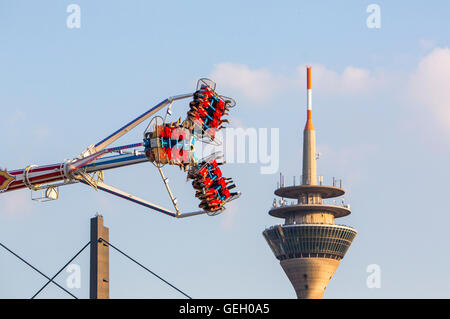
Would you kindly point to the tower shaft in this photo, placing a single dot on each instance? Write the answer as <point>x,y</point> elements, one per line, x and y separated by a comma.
<point>309,276</point>
<point>309,176</point>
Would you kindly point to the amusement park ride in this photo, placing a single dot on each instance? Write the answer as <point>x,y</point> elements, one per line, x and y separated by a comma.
<point>171,143</point>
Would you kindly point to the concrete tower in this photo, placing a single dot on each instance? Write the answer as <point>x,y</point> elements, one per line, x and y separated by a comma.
<point>309,245</point>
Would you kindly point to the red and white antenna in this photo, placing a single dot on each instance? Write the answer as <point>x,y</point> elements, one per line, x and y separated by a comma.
<point>309,125</point>
<point>308,88</point>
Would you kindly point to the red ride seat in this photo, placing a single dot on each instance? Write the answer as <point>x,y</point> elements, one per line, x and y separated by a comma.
<point>226,193</point>
<point>217,172</point>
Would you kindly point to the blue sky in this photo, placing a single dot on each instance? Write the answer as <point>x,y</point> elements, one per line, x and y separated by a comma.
<point>381,109</point>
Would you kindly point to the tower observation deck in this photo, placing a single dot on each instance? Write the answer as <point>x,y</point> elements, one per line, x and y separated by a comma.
<point>309,245</point>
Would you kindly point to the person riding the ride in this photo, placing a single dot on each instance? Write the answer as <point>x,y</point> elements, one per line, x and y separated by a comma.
<point>211,206</point>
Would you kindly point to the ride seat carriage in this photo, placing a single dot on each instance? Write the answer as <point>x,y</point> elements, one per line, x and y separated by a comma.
<point>169,144</point>
<point>207,110</point>
<point>212,188</point>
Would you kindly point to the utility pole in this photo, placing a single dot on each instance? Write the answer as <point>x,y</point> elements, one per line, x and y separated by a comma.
<point>99,270</point>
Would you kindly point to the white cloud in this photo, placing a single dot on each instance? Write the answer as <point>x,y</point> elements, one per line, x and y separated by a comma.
<point>429,86</point>
<point>356,79</point>
<point>237,122</point>
<point>261,85</point>
<point>426,87</point>
<point>16,202</point>
<point>256,85</point>
<point>227,223</point>
<point>350,162</point>
<point>41,133</point>
<point>352,81</point>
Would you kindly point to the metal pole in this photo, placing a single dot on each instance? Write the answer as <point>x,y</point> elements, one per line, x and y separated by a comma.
<point>99,271</point>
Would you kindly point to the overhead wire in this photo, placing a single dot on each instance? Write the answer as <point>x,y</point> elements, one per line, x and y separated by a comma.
<point>59,271</point>
<point>37,270</point>
<point>138,263</point>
